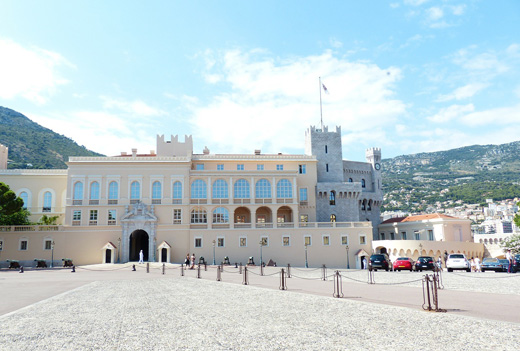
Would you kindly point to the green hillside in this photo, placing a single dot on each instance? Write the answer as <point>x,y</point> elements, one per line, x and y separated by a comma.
<point>33,146</point>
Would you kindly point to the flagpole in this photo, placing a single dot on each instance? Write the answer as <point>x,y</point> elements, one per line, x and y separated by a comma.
<point>321,113</point>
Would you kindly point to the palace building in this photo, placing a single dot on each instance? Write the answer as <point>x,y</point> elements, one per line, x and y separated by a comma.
<point>313,208</point>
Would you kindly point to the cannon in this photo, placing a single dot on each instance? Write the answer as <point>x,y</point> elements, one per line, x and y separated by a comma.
<point>67,262</point>
<point>14,264</point>
<point>40,263</point>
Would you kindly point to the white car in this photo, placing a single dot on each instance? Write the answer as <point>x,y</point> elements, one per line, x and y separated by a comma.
<point>458,261</point>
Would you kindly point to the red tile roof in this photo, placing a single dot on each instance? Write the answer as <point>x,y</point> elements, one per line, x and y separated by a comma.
<point>418,218</point>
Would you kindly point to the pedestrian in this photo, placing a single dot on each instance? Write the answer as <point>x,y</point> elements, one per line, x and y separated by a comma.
<point>192,261</point>
<point>141,256</point>
<point>364,263</point>
<point>187,260</point>
<point>439,263</point>
<point>472,262</point>
<point>477,264</point>
<point>445,257</point>
<point>509,257</point>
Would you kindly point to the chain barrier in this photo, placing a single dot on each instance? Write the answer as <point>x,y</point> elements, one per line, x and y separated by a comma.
<point>283,283</point>
<point>306,269</point>
<point>324,272</point>
<point>480,277</point>
<point>431,294</point>
<point>338,285</point>
<point>219,277</point>
<point>246,279</point>
<point>320,278</point>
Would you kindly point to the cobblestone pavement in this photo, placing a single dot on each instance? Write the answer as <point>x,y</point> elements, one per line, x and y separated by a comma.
<point>122,310</point>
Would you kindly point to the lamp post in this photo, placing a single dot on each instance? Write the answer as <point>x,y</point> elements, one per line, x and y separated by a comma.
<point>306,262</point>
<point>213,252</point>
<point>118,248</point>
<point>348,262</point>
<point>261,245</point>
<point>52,254</point>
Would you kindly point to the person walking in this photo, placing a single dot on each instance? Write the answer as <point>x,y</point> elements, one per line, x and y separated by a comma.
<point>445,257</point>
<point>439,263</point>
<point>192,261</point>
<point>187,260</point>
<point>477,264</point>
<point>509,257</point>
<point>141,256</point>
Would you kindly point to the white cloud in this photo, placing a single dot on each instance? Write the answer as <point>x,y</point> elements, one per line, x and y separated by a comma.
<point>464,92</point>
<point>435,13</point>
<point>136,107</point>
<point>29,72</point>
<point>415,2</point>
<point>283,93</point>
<point>509,115</point>
<point>451,113</point>
<point>335,43</point>
<point>458,10</point>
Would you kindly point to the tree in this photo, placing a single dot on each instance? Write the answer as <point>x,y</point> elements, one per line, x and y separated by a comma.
<point>11,207</point>
<point>512,243</point>
<point>48,220</point>
<point>517,217</point>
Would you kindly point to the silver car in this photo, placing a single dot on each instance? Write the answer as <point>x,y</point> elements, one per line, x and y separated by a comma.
<point>458,261</point>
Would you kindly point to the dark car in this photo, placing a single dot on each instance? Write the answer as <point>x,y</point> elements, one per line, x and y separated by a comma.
<point>516,263</point>
<point>505,264</point>
<point>379,261</point>
<point>491,264</point>
<point>424,263</point>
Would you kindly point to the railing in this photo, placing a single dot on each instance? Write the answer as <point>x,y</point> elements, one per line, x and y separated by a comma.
<point>156,201</point>
<point>284,201</point>
<point>220,225</point>
<point>198,201</point>
<point>112,202</point>
<point>77,202</point>
<point>263,201</point>
<point>93,202</point>
<point>219,201</point>
<point>31,228</point>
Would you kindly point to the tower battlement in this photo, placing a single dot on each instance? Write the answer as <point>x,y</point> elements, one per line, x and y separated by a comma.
<point>174,147</point>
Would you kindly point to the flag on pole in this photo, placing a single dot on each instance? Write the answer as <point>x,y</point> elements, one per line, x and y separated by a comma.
<point>324,88</point>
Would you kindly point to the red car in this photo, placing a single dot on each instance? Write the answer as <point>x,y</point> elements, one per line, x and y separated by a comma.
<point>405,263</point>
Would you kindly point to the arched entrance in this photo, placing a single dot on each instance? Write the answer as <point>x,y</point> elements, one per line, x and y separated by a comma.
<point>108,256</point>
<point>164,254</point>
<point>139,240</point>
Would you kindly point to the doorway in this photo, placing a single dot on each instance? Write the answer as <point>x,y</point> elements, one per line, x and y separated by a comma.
<point>139,240</point>
<point>108,256</point>
<point>164,254</point>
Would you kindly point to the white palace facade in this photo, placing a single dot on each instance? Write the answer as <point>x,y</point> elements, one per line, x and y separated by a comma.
<point>170,202</point>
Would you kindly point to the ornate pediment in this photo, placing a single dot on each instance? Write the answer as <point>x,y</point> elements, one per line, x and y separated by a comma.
<point>140,213</point>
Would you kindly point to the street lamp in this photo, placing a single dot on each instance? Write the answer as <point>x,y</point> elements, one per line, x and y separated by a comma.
<point>213,252</point>
<point>348,262</point>
<point>118,248</point>
<point>52,254</point>
<point>306,262</point>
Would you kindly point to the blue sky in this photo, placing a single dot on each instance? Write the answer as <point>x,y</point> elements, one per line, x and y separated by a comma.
<point>407,76</point>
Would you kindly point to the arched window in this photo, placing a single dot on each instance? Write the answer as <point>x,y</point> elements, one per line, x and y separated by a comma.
<point>25,197</point>
<point>135,190</point>
<point>47,202</point>
<point>369,205</point>
<point>198,189</point>
<point>350,180</point>
<point>113,191</point>
<point>199,215</point>
<point>156,190</point>
<point>177,190</point>
<point>263,189</point>
<point>362,183</point>
<point>332,197</point>
<point>220,215</point>
<point>283,189</point>
<point>94,191</point>
<point>78,191</point>
<point>241,189</point>
<point>220,189</point>
<point>333,218</point>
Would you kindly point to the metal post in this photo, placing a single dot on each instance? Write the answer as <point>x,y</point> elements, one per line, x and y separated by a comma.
<point>147,267</point>
<point>348,261</point>
<point>283,283</point>
<point>306,262</point>
<point>219,277</point>
<point>323,272</point>
<point>261,245</point>
<point>182,270</point>
<point>240,268</point>
<point>338,286</point>
<point>52,254</point>
<point>198,271</point>
<point>261,269</point>
<point>213,252</point>
<point>288,270</point>
<point>246,280</point>
<point>427,278</point>
<point>163,268</point>
<point>118,248</point>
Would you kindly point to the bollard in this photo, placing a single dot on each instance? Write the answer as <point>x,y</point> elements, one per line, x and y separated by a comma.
<point>288,270</point>
<point>427,280</point>
<point>163,268</point>
<point>133,268</point>
<point>21,269</point>
<point>219,278</point>
<point>261,269</point>
<point>338,285</point>
<point>246,280</point>
<point>323,272</point>
<point>283,283</point>
<point>147,267</point>
<point>240,268</point>
<point>182,270</point>
<point>73,269</point>
<point>236,265</point>
<point>198,271</point>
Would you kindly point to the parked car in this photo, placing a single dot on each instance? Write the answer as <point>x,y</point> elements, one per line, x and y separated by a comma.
<point>516,263</point>
<point>424,263</point>
<point>505,264</point>
<point>379,261</point>
<point>458,261</point>
<point>403,263</point>
<point>491,264</point>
